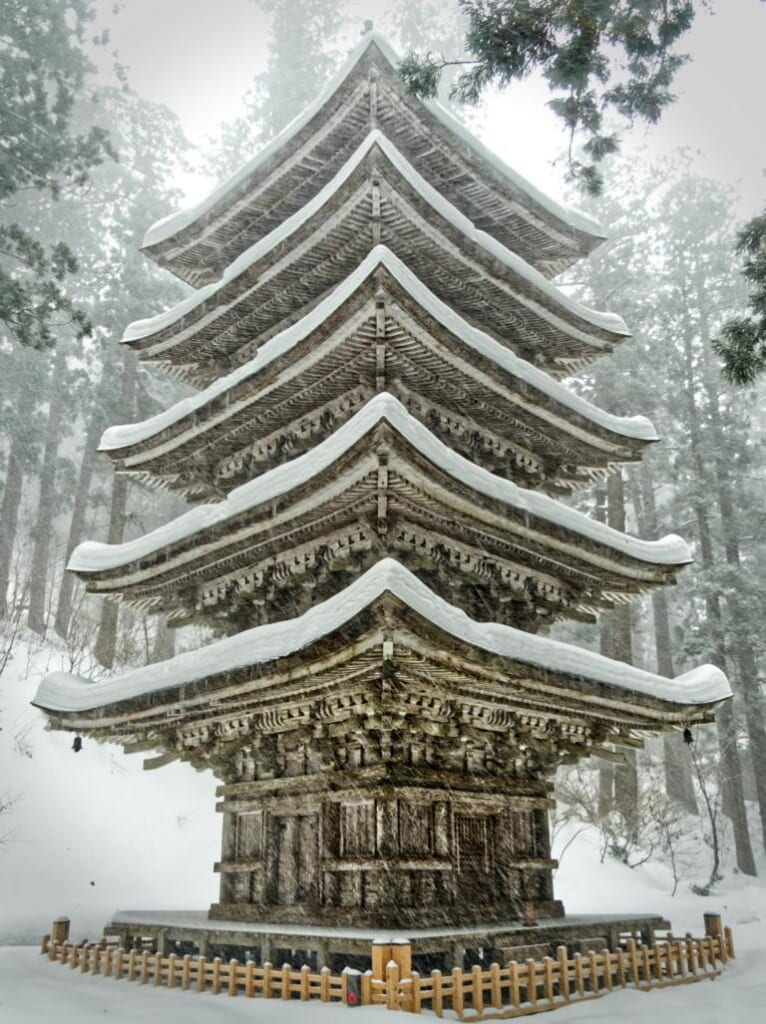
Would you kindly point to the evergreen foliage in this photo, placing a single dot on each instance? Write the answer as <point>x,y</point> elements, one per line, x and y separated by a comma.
<point>742,344</point>
<point>42,71</point>
<point>598,57</point>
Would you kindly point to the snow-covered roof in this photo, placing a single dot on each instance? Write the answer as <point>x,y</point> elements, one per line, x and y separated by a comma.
<point>636,427</point>
<point>61,692</point>
<point>93,557</point>
<point>171,225</point>
<point>548,302</point>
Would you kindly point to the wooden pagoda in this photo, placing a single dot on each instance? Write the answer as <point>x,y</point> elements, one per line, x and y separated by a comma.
<point>383,445</point>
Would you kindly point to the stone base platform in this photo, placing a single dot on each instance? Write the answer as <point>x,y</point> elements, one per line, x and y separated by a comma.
<point>189,931</point>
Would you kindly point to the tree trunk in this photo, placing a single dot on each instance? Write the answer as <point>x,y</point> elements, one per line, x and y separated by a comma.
<point>164,641</point>
<point>46,508</point>
<point>9,517</point>
<point>679,778</point>
<point>84,478</point>
<point>606,768</point>
<point>621,649</point>
<point>106,639</point>
<point>731,767</point>
<point>744,656</point>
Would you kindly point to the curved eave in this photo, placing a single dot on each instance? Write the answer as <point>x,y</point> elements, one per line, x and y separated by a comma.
<point>213,403</point>
<point>95,558</point>
<point>64,694</point>
<point>534,292</point>
<point>172,236</point>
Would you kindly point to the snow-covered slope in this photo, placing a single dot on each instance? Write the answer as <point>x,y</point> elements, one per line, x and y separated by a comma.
<point>92,831</point>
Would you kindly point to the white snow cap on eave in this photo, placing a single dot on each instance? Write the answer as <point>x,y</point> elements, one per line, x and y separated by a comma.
<point>94,556</point>
<point>610,322</point>
<point>637,427</point>
<point>65,693</point>
<point>170,225</point>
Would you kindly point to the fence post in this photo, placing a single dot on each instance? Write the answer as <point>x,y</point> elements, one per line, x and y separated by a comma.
<point>729,936</point>
<point>548,978</point>
<point>365,987</point>
<point>513,978</point>
<point>437,1000</point>
<point>606,957</point>
<point>233,968</point>
<point>380,954</point>
<point>417,1004</point>
<point>267,980</point>
<point>324,984</point>
<point>172,958</point>
<point>85,965</point>
<point>392,985</point>
<point>563,959</point>
<point>593,973</point>
<point>250,979</point>
<point>457,991</point>
<point>477,992</point>
<point>532,982</point>
<point>496,992</point>
<point>215,987</point>
<point>201,972</point>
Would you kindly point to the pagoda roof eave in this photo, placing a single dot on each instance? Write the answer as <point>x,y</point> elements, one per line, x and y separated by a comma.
<point>64,694</point>
<point>140,332</point>
<point>585,232</point>
<point>93,557</point>
<point>117,438</point>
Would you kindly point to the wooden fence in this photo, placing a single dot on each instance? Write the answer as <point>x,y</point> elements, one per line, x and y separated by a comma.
<point>500,993</point>
<point>496,993</point>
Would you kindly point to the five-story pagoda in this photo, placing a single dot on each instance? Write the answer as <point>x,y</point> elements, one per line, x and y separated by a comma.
<point>382,443</point>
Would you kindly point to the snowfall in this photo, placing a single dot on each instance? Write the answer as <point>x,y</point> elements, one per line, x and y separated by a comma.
<point>90,833</point>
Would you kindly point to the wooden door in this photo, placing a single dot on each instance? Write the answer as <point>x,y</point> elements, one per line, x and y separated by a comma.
<point>295,871</point>
<point>474,850</point>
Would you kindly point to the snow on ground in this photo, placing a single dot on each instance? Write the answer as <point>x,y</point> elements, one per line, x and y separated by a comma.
<point>91,832</point>
<point>149,839</point>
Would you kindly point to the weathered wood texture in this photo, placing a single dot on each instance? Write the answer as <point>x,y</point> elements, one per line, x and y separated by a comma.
<point>372,96</point>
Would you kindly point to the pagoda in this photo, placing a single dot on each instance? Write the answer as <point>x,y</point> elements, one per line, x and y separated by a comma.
<point>381,443</point>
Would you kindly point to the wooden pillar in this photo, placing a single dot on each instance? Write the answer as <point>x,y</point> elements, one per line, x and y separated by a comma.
<point>323,954</point>
<point>458,955</point>
<point>60,930</point>
<point>713,926</point>
<point>383,951</point>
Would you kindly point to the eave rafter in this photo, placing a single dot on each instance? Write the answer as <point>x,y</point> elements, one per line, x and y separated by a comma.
<point>382,329</point>
<point>386,651</point>
<point>367,93</point>
<point>377,198</point>
<point>381,485</point>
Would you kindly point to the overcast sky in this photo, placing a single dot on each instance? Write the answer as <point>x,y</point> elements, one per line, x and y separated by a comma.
<point>200,56</point>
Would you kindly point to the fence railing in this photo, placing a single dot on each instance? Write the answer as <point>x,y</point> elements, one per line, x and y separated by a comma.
<point>477,994</point>
<point>499,993</point>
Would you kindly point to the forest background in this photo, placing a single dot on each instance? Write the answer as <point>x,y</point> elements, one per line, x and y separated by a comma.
<point>668,268</point>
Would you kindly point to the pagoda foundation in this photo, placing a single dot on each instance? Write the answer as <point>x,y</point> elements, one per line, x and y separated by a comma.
<point>443,948</point>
